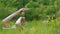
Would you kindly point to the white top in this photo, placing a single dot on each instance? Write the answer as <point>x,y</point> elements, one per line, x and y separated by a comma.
<point>19,20</point>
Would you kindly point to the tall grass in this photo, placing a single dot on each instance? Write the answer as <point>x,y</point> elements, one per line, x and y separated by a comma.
<point>35,27</point>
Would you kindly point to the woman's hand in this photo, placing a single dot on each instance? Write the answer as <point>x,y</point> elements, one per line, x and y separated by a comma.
<point>22,10</point>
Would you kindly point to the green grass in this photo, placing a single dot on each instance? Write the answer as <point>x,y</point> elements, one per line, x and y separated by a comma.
<point>35,27</point>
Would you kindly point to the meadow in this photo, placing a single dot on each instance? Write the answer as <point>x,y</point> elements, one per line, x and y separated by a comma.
<point>35,27</point>
<point>35,23</point>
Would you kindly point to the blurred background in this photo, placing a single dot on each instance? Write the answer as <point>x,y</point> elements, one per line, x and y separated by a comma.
<point>42,16</point>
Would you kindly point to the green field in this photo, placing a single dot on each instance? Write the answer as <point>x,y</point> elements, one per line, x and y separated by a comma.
<point>35,27</point>
<point>40,11</point>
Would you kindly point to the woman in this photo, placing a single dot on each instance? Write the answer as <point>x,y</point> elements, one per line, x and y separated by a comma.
<point>19,21</point>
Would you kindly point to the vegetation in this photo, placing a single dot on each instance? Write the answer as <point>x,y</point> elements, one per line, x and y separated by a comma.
<point>40,8</point>
<point>40,18</point>
<point>35,27</point>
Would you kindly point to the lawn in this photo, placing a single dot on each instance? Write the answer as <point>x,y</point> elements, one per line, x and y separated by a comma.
<point>35,27</point>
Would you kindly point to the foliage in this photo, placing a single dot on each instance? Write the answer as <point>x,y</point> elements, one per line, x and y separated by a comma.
<point>39,9</point>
